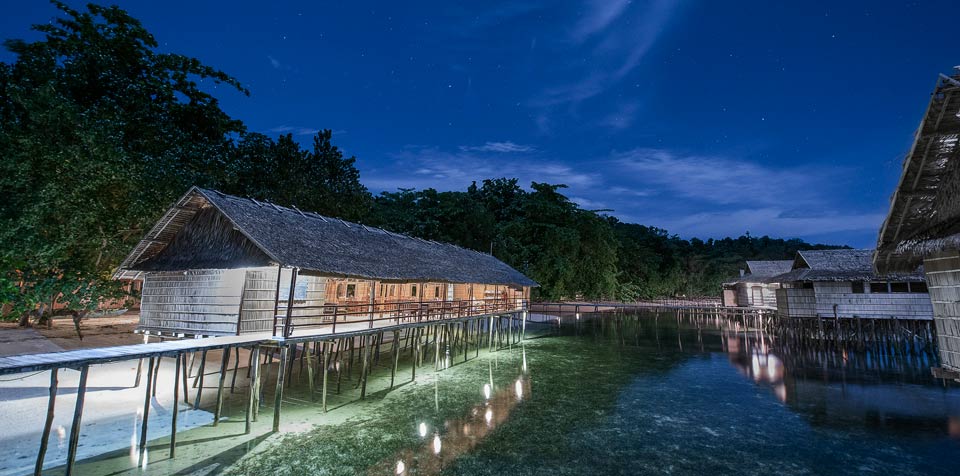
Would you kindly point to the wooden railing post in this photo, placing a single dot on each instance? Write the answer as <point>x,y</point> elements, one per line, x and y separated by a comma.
<point>287,325</point>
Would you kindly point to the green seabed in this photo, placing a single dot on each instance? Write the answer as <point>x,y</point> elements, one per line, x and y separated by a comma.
<point>639,397</point>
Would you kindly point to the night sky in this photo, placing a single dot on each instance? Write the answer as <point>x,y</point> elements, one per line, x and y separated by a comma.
<point>706,118</point>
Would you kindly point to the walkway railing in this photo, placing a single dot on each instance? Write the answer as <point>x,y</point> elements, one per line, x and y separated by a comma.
<point>382,313</point>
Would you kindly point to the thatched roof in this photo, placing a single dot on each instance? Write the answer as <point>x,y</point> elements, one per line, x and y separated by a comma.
<point>838,265</point>
<point>925,208</point>
<point>769,268</point>
<point>209,229</point>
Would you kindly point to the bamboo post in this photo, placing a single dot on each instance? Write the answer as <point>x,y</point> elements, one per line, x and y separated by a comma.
<point>175,407</point>
<point>198,382</point>
<point>254,378</point>
<point>146,412</point>
<point>45,436</point>
<point>278,396</point>
<point>224,362</point>
<point>77,418</point>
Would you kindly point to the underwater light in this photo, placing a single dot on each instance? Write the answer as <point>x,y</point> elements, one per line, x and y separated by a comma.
<point>486,391</point>
<point>518,387</point>
<point>423,430</point>
<point>488,416</point>
<point>401,467</point>
<point>436,444</point>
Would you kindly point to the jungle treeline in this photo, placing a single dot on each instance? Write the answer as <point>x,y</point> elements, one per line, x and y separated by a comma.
<point>100,133</point>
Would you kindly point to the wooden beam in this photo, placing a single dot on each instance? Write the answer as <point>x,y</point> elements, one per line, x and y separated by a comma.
<point>199,380</point>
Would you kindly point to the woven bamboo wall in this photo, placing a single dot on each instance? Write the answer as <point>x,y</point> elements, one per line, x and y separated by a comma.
<point>943,279</point>
<point>259,288</point>
<point>820,301</point>
<point>197,302</point>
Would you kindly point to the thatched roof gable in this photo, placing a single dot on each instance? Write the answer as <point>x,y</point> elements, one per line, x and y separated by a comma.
<point>326,246</point>
<point>924,212</point>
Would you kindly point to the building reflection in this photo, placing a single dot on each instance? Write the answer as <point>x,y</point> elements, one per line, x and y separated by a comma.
<point>844,387</point>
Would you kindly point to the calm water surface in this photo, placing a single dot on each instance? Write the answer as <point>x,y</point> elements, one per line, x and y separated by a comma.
<point>646,396</point>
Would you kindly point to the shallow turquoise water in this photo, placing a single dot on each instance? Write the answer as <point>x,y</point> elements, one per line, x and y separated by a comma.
<point>646,396</point>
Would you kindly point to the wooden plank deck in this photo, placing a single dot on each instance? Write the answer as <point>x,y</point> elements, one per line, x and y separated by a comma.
<point>78,358</point>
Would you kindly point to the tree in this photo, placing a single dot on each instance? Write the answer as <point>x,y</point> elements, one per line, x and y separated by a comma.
<point>98,132</point>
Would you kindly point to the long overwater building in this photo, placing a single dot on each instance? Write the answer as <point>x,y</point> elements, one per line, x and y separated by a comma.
<point>217,264</point>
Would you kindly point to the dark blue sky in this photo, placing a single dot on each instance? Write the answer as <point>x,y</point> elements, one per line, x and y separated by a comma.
<point>703,117</point>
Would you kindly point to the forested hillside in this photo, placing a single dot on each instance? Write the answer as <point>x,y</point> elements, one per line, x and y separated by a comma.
<point>100,133</point>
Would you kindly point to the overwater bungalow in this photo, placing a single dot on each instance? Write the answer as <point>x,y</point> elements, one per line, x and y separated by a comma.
<point>923,225</point>
<point>752,289</point>
<point>217,264</point>
<point>842,283</point>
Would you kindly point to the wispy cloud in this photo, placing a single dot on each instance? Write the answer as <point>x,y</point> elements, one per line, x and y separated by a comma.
<point>616,35</point>
<point>274,62</point>
<point>724,180</point>
<point>295,130</point>
<point>502,147</point>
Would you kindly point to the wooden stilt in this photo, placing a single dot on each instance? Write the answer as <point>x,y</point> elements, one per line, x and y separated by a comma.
<point>77,418</point>
<point>146,412</point>
<point>396,356</point>
<point>175,408</point>
<point>416,354</point>
<point>45,436</point>
<point>367,341</point>
<point>136,381</point>
<point>278,396</point>
<point>252,398</point>
<point>309,356</point>
<point>224,362</point>
<point>184,377</point>
<point>236,369</point>
<point>326,365</point>
<point>198,382</point>
<point>156,374</point>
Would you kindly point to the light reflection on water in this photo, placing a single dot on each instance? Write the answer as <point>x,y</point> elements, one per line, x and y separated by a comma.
<point>457,437</point>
